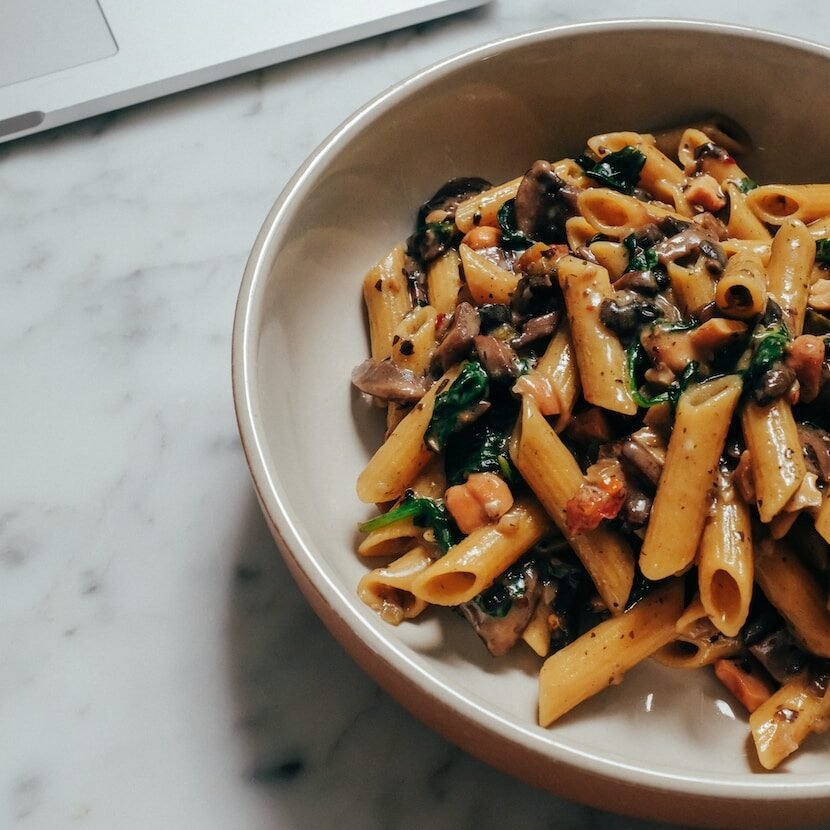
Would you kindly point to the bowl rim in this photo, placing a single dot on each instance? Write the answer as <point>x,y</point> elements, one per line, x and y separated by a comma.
<point>272,495</point>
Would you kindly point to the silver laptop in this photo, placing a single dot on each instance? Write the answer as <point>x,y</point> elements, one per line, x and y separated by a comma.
<point>61,60</point>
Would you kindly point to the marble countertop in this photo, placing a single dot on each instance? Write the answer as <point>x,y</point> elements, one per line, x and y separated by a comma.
<point>158,667</point>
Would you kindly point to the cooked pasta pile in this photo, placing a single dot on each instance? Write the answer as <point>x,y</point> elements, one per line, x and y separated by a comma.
<point>607,387</point>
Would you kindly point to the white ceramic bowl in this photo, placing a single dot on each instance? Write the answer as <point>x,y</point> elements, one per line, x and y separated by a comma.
<point>665,744</point>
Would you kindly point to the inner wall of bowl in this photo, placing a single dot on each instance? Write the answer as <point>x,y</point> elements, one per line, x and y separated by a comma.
<point>538,99</point>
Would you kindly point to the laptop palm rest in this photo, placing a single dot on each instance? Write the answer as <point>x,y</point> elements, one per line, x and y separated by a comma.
<point>45,36</point>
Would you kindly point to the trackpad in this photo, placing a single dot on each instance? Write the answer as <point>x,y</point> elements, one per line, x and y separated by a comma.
<point>45,36</point>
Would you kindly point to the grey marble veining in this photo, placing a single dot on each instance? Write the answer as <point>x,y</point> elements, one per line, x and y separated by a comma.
<point>158,667</point>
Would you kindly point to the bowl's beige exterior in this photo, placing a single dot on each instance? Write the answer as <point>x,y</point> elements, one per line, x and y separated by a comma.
<point>298,330</point>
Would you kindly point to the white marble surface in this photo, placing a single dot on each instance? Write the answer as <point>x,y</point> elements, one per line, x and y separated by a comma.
<point>158,668</point>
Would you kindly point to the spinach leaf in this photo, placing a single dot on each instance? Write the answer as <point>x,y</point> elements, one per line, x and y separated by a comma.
<point>481,447</point>
<point>468,389</point>
<point>746,184</point>
<point>619,171</point>
<point>823,251</point>
<point>639,259</point>
<point>635,357</point>
<point>424,512</point>
<point>511,236</point>
<point>498,599</point>
<point>770,344</point>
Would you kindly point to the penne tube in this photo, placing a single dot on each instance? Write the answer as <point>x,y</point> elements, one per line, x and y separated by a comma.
<point>413,340</point>
<point>616,215</point>
<point>570,172</point>
<point>601,657</point>
<point>725,567</point>
<point>660,176</point>
<point>388,590</point>
<point>558,367</point>
<point>693,287</point>
<point>776,203</point>
<point>793,590</point>
<point>782,723</point>
<point>397,538</point>
<point>486,282</point>
<point>483,208</point>
<point>719,129</point>
<point>612,256</point>
<point>444,282</point>
<point>404,454</point>
<point>554,476</point>
<point>697,642</point>
<point>755,246</point>
<point>537,632</point>
<point>386,295</point>
<point>478,560</point>
<point>789,273</point>
<point>721,169</point>
<point>578,231</point>
<point>743,223</point>
<point>684,491</point>
<point>820,229</point>
<point>777,461</point>
<point>599,353</point>
<point>741,293</point>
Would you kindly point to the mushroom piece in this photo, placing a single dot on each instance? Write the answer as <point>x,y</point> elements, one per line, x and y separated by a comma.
<point>499,359</point>
<point>501,614</point>
<point>780,655</point>
<point>645,451</point>
<point>692,240</point>
<point>383,379</point>
<point>537,328</point>
<point>459,337</point>
<point>539,211</point>
<point>448,197</point>
<point>815,444</point>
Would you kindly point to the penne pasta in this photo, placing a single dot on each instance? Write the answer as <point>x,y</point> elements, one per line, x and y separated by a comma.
<point>725,567</point>
<point>789,272</point>
<point>741,292</point>
<point>743,223</point>
<point>684,491</point>
<point>404,454</point>
<point>483,208</point>
<point>473,565</point>
<point>386,295</point>
<point>790,587</point>
<point>781,724</point>
<point>555,477</point>
<point>777,463</point>
<point>444,282</point>
<point>777,203</point>
<point>696,642</point>
<point>601,657</point>
<point>486,282</point>
<point>388,590</point>
<point>599,355</point>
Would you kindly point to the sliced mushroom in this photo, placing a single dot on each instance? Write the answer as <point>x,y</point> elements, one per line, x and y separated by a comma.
<point>693,240</point>
<point>459,337</point>
<point>499,359</point>
<point>447,198</point>
<point>815,444</point>
<point>512,607</point>
<point>645,451</point>
<point>539,211</point>
<point>537,328</point>
<point>780,655</point>
<point>383,379</point>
